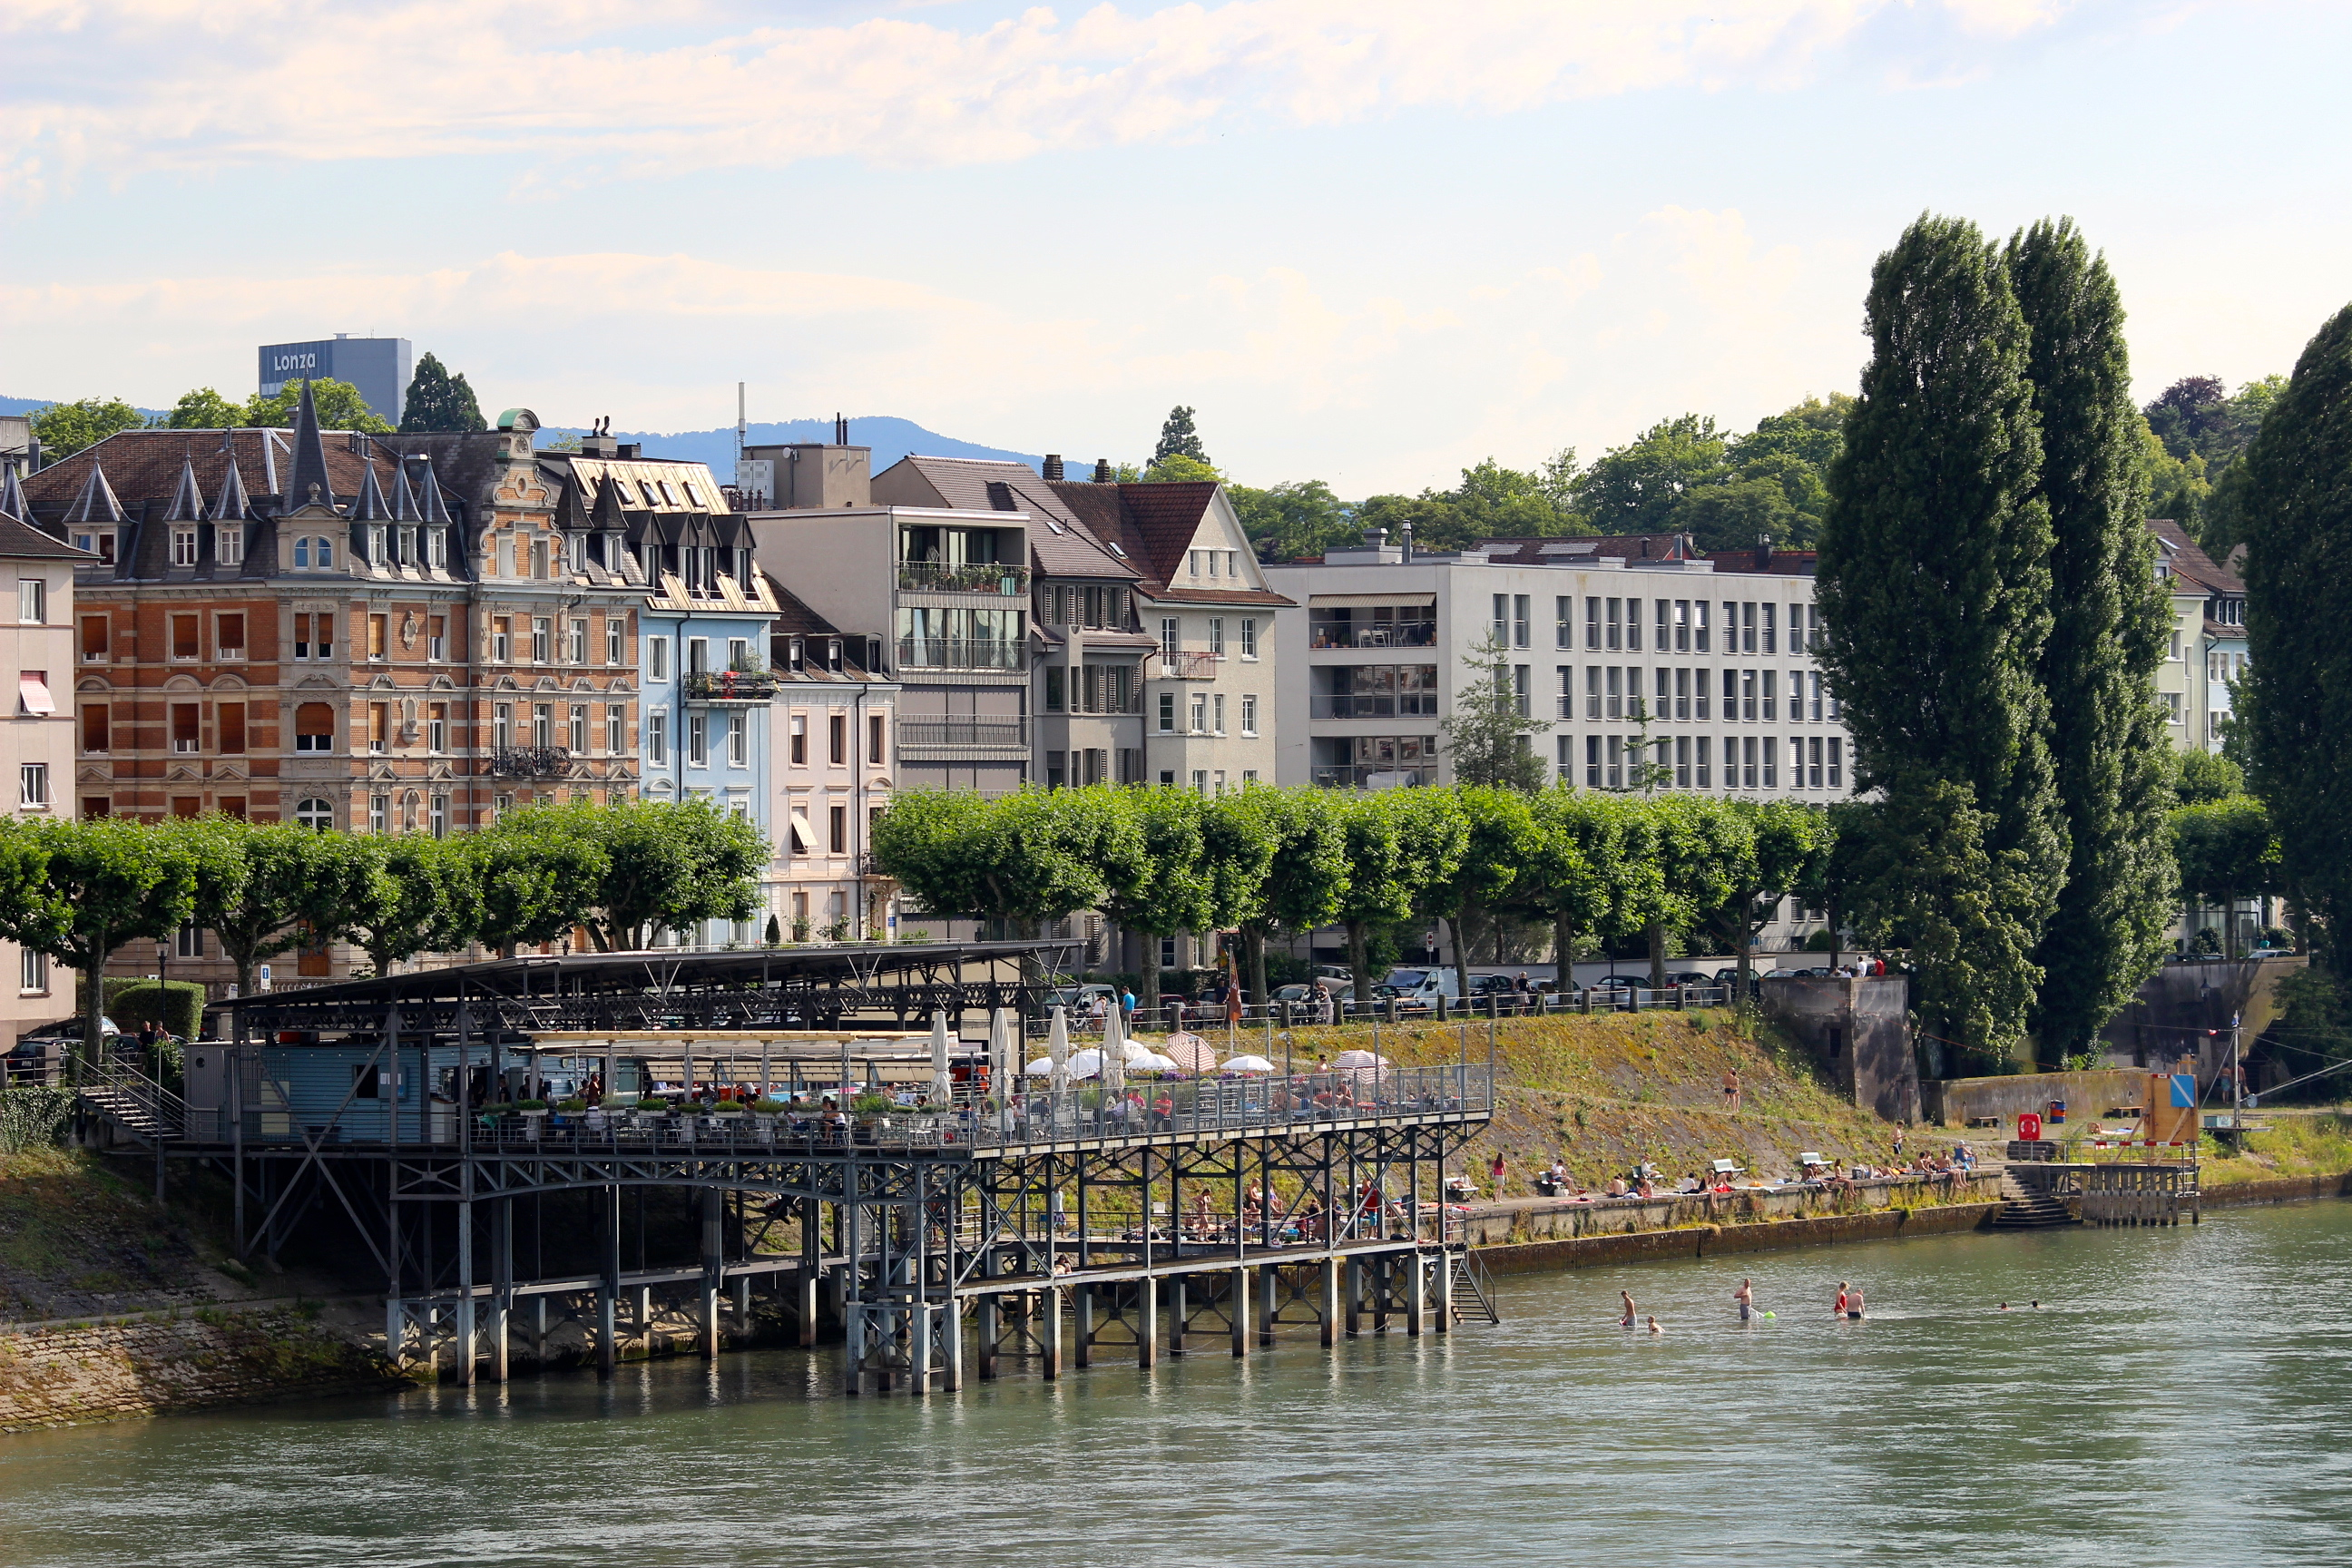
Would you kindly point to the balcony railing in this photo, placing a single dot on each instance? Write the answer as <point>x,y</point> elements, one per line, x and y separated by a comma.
<point>1380,634</point>
<point>530,763</point>
<point>1001,577</point>
<point>960,653</point>
<point>1373,705</point>
<point>730,685</point>
<point>1186,666</point>
<point>1371,775</point>
<point>1007,733</point>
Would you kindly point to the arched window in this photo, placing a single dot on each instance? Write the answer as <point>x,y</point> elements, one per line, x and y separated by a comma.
<point>315,814</point>
<point>326,553</point>
<point>302,552</point>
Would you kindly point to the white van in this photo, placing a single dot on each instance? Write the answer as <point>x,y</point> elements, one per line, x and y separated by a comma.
<point>1419,986</point>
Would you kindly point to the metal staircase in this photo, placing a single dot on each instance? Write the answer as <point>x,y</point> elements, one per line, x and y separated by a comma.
<point>143,1109</point>
<point>1473,1293</point>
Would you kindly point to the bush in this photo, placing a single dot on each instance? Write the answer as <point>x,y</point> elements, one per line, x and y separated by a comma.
<point>130,1003</point>
<point>31,1118</point>
<point>2278,937</point>
<point>1822,941</point>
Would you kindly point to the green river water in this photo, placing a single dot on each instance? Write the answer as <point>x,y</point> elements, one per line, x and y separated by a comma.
<point>2181,1397</point>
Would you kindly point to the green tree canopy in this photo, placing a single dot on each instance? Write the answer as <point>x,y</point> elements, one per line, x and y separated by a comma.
<point>339,406</point>
<point>1934,586</point>
<point>1307,867</point>
<point>1178,438</point>
<point>2107,742</point>
<point>1637,488</point>
<point>2227,849</point>
<point>1178,468</point>
<point>1152,861</point>
<point>1487,735</point>
<point>64,428</point>
<point>1293,520</point>
<point>2197,777</point>
<point>1498,838</point>
<point>204,409</point>
<point>536,885</point>
<point>1592,868</point>
<point>412,893</point>
<point>298,886</point>
<point>105,882</point>
<point>440,400</point>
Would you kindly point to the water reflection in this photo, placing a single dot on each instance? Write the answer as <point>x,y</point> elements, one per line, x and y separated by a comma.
<point>2179,1397</point>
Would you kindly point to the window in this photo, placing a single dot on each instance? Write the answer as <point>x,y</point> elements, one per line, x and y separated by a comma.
<point>1200,713</point>
<point>1747,694</point>
<point>658,659</point>
<point>1771,613</point>
<point>33,601</point>
<point>739,735</point>
<point>1193,561</point>
<point>538,561</point>
<point>1770,681</point>
<point>1701,684</point>
<point>33,786</point>
<point>1613,751</point>
<point>302,554</point>
<point>1771,758</point>
<point>542,725</point>
<point>541,636</point>
<point>231,722</point>
<point>1249,714</point>
<point>184,638</point>
<point>1616,709</point>
<point>1632,623</point>
<point>1249,636</point>
<point>379,724</point>
<point>379,813</point>
<point>1814,762</point>
<point>1167,713</point>
<point>1616,625</point>
<point>1502,621</point>
<point>800,740</point>
<point>501,638</point>
<point>97,735</point>
<point>436,727</point>
<point>1593,692</point>
<point>314,728</point>
<point>33,695</point>
<point>96,631</point>
<point>436,549</point>
<point>2172,713</point>
<point>1219,710</point>
<point>617,728</point>
<point>576,642</point>
<point>657,738</point>
<point>1664,638</point>
<point>838,739</point>
<point>1169,640</point>
<point>1699,768</point>
<point>2174,655</point>
<point>697,741</point>
<point>438,816</point>
<point>1217,636</point>
<point>183,547</point>
<point>1747,626</point>
<point>228,636</point>
<point>1700,634</point>
<point>1592,622</point>
<point>1746,762</point>
<point>1682,696</point>
<point>315,814</point>
<point>577,737</point>
<point>1682,762</point>
<point>1200,780</point>
<point>874,740</point>
<point>436,637</point>
<point>502,726</point>
<point>187,728</point>
<point>836,829</point>
<point>379,635</point>
<point>1837,747</point>
<point>32,971</point>
<point>1563,609</point>
<point>615,637</point>
<point>1522,688</point>
<point>1520,614</point>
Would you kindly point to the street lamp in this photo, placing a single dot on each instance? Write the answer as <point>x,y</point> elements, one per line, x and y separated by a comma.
<point>162,1008</point>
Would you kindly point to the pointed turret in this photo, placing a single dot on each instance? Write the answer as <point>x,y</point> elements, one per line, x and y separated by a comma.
<point>12,495</point>
<point>96,503</point>
<point>188,499</point>
<point>428,499</point>
<point>309,481</point>
<point>404,499</point>
<point>608,516</point>
<point>231,504</point>
<point>369,506</point>
<point>570,515</point>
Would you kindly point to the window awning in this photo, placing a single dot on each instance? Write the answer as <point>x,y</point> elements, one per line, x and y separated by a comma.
<point>804,835</point>
<point>1369,601</point>
<point>33,692</point>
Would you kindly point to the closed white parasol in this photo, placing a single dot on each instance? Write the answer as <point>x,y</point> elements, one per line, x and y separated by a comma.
<point>942,1086</point>
<point>1057,1052</point>
<point>1114,1051</point>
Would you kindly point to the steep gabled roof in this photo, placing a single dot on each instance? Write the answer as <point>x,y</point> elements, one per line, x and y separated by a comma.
<point>231,504</point>
<point>187,500</point>
<point>309,459</point>
<point>12,495</point>
<point>369,506</point>
<point>403,498</point>
<point>2187,560</point>
<point>20,541</point>
<point>96,503</point>
<point>430,504</point>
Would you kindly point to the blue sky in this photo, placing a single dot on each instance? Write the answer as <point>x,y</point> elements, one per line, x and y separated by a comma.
<point>1370,242</point>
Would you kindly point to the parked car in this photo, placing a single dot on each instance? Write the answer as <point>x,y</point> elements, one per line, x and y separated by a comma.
<point>1424,985</point>
<point>1080,999</point>
<point>1689,977</point>
<point>1622,983</point>
<point>1481,984</point>
<point>1336,973</point>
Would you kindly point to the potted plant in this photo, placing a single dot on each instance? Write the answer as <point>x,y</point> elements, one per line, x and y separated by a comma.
<point>729,1114</point>
<point>573,1106</point>
<point>651,1108</point>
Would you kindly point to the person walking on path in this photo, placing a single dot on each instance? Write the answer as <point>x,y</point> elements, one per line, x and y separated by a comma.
<point>1731,1090</point>
<point>1495,1173</point>
<point>1746,1296</point>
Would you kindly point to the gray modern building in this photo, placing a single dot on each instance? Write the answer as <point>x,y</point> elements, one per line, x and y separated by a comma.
<point>379,367</point>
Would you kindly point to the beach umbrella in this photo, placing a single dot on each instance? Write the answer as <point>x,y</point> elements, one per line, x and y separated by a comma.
<point>1040,1067</point>
<point>1192,1053</point>
<point>1248,1064</point>
<point>1085,1064</point>
<point>1114,1052</point>
<point>942,1086</point>
<point>1348,1060</point>
<point>1057,1051</point>
<point>1152,1061</point>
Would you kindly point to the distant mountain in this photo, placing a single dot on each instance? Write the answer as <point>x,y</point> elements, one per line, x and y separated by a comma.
<point>890,437</point>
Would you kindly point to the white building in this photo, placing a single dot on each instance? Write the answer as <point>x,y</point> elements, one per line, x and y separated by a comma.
<point>832,730</point>
<point>36,742</point>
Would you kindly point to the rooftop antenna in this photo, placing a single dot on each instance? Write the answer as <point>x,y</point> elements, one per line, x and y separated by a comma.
<point>740,428</point>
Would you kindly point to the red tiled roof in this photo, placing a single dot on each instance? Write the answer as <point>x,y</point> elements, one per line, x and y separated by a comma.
<point>2188,560</point>
<point>144,466</point>
<point>1781,562</point>
<point>1220,596</point>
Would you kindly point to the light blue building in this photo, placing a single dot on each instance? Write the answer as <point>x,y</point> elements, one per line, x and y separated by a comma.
<point>703,647</point>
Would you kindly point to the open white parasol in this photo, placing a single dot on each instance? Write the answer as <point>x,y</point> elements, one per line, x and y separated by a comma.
<point>1246,1064</point>
<point>1152,1061</point>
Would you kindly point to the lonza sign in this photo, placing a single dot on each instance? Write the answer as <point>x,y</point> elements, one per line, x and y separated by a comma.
<point>281,364</point>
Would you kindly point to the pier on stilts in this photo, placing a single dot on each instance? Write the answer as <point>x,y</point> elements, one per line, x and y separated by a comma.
<point>994,1226</point>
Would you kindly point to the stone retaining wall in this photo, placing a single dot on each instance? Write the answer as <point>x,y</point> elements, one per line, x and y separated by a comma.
<point>1708,1240</point>
<point>1521,1220</point>
<point>68,1373</point>
<point>2279,1190</point>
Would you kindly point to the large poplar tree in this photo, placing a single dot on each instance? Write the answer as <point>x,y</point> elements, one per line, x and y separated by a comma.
<point>440,400</point>
<point>2106,740</point>
<point>1934,587</point>
<point>2291,718</point>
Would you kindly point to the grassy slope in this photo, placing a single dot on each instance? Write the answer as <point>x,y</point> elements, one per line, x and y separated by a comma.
<point>2301,1145</point>
<point>1605,1091</point>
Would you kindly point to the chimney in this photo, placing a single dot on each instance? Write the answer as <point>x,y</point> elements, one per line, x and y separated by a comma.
<point>1406,539</point>
<point>1103,475</point>
<point>1376,538</point>
<point>1645,547</point>
<point>1763,552</point>
<point>1054,466</point>
<point>840,431</point>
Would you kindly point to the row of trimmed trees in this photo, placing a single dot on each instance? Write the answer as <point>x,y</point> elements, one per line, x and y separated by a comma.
<point>1161,860</point>
<point>77,891</point>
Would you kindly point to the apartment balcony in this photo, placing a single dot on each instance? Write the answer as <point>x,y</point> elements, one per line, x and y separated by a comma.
<point>1380,634</point>
<point>960,653</point>
<point>1373,705</point>
<point>1186,666</point>
<point>998,734</point>
<point>1003,579</point>
<point>530,763</point>
<point>1367,776</point>
<point>730,685</point>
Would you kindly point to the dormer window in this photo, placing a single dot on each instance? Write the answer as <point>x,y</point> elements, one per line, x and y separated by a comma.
<point>798,653</point>
<point>436,546</point>
<point>620,489</point>
<point>228,544</point>
<point>832,653</point>
<point>408,546</point>
<point>183,547</point>
<point>375,546</point>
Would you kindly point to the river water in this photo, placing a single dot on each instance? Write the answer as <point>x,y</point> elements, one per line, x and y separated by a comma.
<point>2180,1397</point>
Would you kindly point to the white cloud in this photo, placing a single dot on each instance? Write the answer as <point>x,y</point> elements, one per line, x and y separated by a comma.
<point>572,89</point>
<point>1365,384</point>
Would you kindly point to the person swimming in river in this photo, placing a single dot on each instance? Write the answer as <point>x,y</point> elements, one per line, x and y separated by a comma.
<point>1657,1327</point>
<point>1627,1297</point>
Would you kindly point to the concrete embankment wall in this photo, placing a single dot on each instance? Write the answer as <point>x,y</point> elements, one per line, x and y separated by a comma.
<point>66,1373</point>
<point>1540,1233</point>
<point>2279,1190</point>
<point>2087,1095</point>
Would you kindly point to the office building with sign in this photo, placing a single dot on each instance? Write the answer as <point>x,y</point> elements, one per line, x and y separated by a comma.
<point>379,367</point>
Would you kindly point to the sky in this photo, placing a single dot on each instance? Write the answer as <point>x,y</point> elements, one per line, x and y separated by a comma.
<point>1369,242</point>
